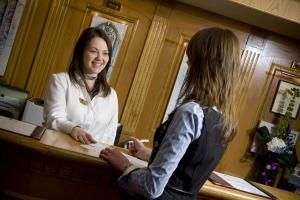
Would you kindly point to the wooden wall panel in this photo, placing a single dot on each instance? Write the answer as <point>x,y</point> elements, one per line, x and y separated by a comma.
<point>67,19</point>
<point>47,51</point>
<point>143,12</point>
<point>148,63</point>
<point>260,50</point>
<point>276,51</point>
<point>144,75</point>
<point>285,9</point>
<point>26,43</point>
<point>149,104</point>
<point>249,60</point>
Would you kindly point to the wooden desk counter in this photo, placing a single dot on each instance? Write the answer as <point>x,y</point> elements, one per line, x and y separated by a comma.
<point>57,167</point>
<point>212,191</point>
<point>54,143</point>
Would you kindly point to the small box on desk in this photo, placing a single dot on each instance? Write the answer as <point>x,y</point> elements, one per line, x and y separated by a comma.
<point>33,112</point>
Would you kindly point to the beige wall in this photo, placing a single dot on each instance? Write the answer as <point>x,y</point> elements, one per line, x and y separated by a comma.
<point>279,16</point>
<point>287,9</point>
<point>149,60</point>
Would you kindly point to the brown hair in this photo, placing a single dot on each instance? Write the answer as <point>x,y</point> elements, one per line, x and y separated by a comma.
<point>76,65</point>
<point>214,60</point>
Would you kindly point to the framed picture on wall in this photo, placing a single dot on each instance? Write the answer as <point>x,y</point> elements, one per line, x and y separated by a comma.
<point>282,99</point>
<point>115,30</point>
<point>10,16</point>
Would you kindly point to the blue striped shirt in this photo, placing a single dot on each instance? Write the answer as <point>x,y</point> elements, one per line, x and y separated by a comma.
<point>185,127</point>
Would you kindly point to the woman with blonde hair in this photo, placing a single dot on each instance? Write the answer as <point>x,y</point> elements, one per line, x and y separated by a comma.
<point>190,144</point>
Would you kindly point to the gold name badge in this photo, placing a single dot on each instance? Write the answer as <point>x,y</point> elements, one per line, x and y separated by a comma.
<point>82,101</point>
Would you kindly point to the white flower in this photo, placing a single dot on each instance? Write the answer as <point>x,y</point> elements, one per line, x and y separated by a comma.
<point>276,145</point>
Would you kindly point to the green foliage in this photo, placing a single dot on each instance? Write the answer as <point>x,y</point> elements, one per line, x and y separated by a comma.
<point>287,160</point>
<point>284,122</point>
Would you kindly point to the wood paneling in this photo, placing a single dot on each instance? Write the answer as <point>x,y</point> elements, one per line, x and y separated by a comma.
<point>58,167</point>
<point>65,21</point>
<point>162,77</point>
<point>26,43</point>
<point>260,50</point>
<point>149,61</point>
<point>47,52</point>
<point>29,174</point>
<point>144,75</point>
<point>277,51</point>
<point>285,9</point>
<point>249,60</point>
<point>270,15</point>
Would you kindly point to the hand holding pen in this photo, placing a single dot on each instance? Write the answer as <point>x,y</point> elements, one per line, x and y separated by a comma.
<point>137,148</point>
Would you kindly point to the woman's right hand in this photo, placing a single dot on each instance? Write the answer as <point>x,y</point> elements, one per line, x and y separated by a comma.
<point>137,148</point>
<point>82,136</point>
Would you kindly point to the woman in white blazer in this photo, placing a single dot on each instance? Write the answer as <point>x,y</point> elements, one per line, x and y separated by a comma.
<point>80,102</point>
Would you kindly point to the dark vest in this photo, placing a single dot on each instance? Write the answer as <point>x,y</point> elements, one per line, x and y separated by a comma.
<point>200,159</point>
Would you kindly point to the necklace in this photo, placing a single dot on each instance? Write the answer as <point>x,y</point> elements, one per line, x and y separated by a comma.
<point>90,77</point>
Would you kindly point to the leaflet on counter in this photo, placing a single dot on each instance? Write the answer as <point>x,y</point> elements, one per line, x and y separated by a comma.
<point>238,184</point>
<point>98,147</point>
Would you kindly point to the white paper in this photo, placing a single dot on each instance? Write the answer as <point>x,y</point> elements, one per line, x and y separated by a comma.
<point>241,184</point>
<point>135,161</point>
<point>95,147</point>
<point>98,147</point>
<point>16,126</point>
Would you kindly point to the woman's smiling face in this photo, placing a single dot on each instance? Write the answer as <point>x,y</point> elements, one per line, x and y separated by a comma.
<point>95,56</point>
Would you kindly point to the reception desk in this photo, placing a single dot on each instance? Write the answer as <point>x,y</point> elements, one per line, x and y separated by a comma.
<point>57,167</point>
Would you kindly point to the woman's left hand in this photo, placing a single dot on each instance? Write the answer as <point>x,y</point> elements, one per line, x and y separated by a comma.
<point>115,158</point>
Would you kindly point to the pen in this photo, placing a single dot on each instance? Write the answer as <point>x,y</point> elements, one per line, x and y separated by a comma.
<point>144,140</point>
<point>141,140</point>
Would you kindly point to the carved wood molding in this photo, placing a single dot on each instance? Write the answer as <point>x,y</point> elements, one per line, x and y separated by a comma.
<point>44,61</point>
<point>30,161</point>
<point>144,74</point>
<point>249,61</point>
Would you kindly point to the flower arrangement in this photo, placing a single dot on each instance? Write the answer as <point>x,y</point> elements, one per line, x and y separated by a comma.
<point>279,145</point>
